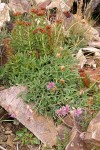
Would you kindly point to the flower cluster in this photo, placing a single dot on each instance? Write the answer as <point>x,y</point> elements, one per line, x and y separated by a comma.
<point>23,23</point>
<point>64,110</point>
<point>50,85</point>
<point>43,30</point>
<point>17,14</point>
<point>38,12</point>
<point>77,112</point>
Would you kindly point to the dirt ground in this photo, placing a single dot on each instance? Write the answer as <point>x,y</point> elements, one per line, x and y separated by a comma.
<point>8,133</point>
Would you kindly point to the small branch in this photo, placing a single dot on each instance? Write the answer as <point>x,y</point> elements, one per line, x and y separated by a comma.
<point>17,147</point>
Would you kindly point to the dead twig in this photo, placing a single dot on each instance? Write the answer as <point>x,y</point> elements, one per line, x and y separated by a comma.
<point>17,147</point>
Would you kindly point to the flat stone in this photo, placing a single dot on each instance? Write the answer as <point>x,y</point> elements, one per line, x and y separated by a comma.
<point>68,120</point>
<point>63,131</point>
<point>8,132</point>
<point>43,5</point>
<point>19,6</point>
<point>76,143</point>
<point>93,132</point>
<point>42,127</point>
<point>4,14</point>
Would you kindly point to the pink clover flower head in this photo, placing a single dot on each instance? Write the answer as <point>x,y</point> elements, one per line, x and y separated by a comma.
<point>67,108</point>
<point>77,112</point>
<point>63,111</point>
<point>50,85</point>
<point>59,112</point>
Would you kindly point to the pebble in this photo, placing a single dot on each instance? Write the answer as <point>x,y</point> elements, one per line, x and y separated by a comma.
<point>8,132</point>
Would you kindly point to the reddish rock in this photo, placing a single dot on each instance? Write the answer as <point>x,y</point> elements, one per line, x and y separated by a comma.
<point>63,131</point>
<point>93,132</point>
<point>19,6</point>
<point>94,75</point>
<point>42,127</point>
<point>76,143</point>
<point>68,121</point>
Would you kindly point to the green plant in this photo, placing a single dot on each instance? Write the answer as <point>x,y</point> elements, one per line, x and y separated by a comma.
<point>26,138</point>
<point>39,59</point>
<point>37,73</point>
<point>33,34</point>
<point>76,37</point>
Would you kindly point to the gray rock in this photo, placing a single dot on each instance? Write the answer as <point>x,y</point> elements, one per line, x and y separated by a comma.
<point>4,14</point>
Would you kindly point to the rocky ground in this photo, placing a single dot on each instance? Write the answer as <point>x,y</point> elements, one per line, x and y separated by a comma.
<point>8,134</point>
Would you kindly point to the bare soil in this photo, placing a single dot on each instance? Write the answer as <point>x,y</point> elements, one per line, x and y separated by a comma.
<point>8,133</point>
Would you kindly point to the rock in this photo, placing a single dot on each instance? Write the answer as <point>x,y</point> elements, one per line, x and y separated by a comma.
<point>88,56</point>
<point>42,127</point>
<point>8,132</point>
<point>76,143</point>
<point>63,12</point>
<point>95,44</point>
<point>4,14</point>
<point>63,131</point>
<point>92,7</point>
<point>59,4</point>
<point>44,4</point>
<point>40,1</point>
<point>81,58</point>
<point>93,132</point>
<point>68,121</point>
<point>19,6</point>
<point>70,3</point>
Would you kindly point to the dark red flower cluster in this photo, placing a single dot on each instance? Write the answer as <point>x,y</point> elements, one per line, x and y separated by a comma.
<point>59,21</point>
<point>17,14</point>
<point>41,12</point>
<point>38,12</point>
<point>42,30</point>
<point>19,23</point>
<point>34,10</point>
<point>46,30</point>
<point>27,23</point>
<point>48,27</point>
<point>35,31</point>
<point>23,23</point>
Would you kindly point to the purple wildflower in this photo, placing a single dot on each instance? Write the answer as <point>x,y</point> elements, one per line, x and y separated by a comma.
<point>77,112</point>
<point>63,111</point>
<point>67,108</point>
<point>50,85</point>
